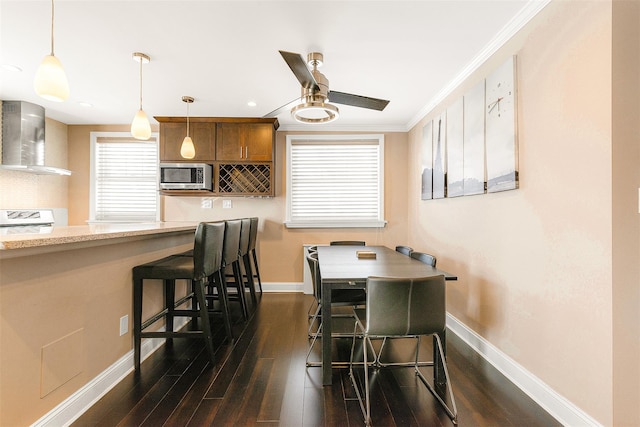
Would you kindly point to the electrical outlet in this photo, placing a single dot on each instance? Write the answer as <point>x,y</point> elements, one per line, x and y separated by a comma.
<point>206,203</point>
<point>226,204</point>
<point>124,324</point>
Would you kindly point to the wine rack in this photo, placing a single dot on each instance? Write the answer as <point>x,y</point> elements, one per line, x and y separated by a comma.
<point>245,179</point>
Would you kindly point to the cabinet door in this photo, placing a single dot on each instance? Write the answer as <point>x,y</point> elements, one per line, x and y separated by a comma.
<point>258,142</point>
<point>245,141</point>
<point>230,142</point>
<point>202,134</point>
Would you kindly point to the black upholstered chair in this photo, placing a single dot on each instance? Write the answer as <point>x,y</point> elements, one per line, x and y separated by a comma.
<point>425,258</point>
<point>348,243</point>
<point>406,250</point>
<point>399,308</point>
<point>205,262</point>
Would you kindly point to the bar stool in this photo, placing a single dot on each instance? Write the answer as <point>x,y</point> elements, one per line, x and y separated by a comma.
<point>205,262</point>
<point>253,239</point>
<point>245,255</point>
<point>231,261</point>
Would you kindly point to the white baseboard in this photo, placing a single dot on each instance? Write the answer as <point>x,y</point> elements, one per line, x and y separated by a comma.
<point>283,287</point>
<point>560,408</point>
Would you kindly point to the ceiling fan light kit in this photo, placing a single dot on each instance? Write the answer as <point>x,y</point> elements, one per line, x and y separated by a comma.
<point>140,127</point>
<point>315,112</point>
<point>51,81</point>
<point>187,149</point>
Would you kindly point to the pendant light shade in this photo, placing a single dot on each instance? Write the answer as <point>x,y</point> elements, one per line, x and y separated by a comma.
<point>51,81</point>
<point>140,127</point>
<point>187,149</point>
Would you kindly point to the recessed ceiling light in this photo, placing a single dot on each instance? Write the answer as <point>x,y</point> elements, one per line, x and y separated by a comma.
<point>11,67</point>
<point>252,103</point>
<point>85,104</point>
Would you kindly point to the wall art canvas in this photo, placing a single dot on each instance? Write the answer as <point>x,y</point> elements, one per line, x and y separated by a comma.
<point>427,161</point>
<point>439,156</point>
<point>474,140</point>
<point>455,152</point>
<point>500,135</point>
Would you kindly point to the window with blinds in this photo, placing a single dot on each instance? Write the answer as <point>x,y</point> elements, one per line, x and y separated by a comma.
<point>335,181</point>
<point>124,178</point>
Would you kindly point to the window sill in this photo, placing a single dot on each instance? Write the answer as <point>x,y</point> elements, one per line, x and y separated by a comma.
<point>335,224</point>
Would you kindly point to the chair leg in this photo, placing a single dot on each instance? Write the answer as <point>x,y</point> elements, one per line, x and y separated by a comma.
<point>224,301</point>
<point>169,303</point>
<point>366,406</point>
<point>240,288</point>
<point>453,411</point>
<point>257,272</point>
<point>249,275</point>
<point>137,321</point>
<point>204,319</point>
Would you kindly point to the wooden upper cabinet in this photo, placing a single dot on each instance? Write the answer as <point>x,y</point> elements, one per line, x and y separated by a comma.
<point>245,142</point>
<point>203,135</point>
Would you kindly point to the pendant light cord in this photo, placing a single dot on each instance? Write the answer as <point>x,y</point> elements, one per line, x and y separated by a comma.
<point>188,118</point>
<point>52,20</point>
<point>141,83</point>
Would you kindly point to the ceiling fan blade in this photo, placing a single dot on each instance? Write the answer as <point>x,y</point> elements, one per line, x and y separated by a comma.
<point>357,100</point>
<point>280,110</point>
<point>300,69</point>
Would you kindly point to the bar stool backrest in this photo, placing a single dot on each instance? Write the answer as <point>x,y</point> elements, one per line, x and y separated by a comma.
<point>312,260</point>
<point>405,306</point>
<point>207,249</point>
<point>231,241</point>
<point>245,236</point>
<point>424,258</point>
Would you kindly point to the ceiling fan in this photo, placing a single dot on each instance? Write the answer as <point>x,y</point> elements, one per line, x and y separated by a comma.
<point>315,104</point>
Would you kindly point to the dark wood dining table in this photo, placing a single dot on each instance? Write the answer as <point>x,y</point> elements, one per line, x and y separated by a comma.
<point>341,268</point>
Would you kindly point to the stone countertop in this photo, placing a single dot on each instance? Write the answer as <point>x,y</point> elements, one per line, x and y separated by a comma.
<point>49,236</point>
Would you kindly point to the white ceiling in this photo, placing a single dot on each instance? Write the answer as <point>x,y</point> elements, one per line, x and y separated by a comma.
<point>225,53</point>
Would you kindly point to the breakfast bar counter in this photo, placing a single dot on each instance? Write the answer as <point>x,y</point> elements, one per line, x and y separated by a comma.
<point>66,303</point>
<point>48,238</point>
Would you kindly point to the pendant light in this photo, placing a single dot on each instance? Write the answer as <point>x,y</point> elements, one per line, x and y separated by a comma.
<point>51,81</point>
<point>187,150</point>
<point>140,127</point>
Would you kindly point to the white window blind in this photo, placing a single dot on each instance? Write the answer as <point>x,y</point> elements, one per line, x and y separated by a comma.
<point>124,178</point>
<point>335,181</point>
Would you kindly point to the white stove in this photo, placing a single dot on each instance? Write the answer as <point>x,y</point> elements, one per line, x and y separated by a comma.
<point>26,221</point>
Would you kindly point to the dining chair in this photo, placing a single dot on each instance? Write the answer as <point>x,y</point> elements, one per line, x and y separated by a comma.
<point>205,262</point>
<point>339,297</point>
<point>401,308</point>
<point>424,257</point>
<point>348,243</point>
<point>406,250</point>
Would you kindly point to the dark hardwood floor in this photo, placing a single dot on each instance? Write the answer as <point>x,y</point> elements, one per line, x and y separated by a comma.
<point>261,379</point>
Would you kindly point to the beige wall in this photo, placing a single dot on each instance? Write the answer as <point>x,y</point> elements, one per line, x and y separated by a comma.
<point>535,266</point>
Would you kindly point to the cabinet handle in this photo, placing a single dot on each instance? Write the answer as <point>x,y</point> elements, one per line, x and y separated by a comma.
<point>246,152</point>
<point>241,151</point>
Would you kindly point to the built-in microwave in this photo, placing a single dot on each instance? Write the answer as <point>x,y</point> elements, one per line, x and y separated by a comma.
<point>186,176</point>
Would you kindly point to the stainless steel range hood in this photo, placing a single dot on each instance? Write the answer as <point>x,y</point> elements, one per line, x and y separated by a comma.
<point>23,139</point>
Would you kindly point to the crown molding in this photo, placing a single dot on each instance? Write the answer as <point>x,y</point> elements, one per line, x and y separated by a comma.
<point>504,35</point>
